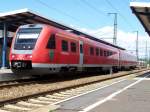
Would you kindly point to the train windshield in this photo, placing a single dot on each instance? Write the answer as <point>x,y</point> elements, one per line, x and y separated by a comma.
<point>26,38</point>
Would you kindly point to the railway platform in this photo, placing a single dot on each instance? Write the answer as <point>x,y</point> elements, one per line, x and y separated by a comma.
<point>5,71</point>
<point>79,95</point>
<point>7,75</point>
<point>132,94</point>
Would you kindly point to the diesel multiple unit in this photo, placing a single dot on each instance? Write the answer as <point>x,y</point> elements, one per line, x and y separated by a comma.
<point>40,48</point>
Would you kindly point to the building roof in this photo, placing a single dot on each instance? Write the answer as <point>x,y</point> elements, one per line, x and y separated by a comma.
<point>142,12</point>
<point>24,16</point>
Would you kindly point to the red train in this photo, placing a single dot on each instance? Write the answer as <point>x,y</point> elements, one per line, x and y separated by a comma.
<point>39,48</point>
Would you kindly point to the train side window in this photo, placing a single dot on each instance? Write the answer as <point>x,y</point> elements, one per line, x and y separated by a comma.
<point>97,51</point>
<point>101,52</point>
<point>91,51</point>
<point>51,42</point>
<point>81,48</point>
<point>73,47</point>
<point>105,54</point>
<point>64,45</point>
<point>110,53</point>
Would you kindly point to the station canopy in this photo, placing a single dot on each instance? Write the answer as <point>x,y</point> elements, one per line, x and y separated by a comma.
<point>142,12</point>
<point>24,16</point>
<point>16,18</point>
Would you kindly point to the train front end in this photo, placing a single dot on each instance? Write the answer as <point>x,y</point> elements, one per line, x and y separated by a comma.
<point>23,46</point>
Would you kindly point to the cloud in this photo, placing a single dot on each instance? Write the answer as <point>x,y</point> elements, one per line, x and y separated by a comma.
<point>125,39</point>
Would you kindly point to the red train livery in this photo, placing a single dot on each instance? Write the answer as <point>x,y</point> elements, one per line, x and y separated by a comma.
<point>39,48</point>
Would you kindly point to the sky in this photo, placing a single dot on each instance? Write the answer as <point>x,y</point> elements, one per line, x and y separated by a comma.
<point>90,16</point>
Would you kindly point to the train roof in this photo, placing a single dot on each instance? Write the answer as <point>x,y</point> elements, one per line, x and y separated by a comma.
<point>142,12</point>
<point>14,19</point>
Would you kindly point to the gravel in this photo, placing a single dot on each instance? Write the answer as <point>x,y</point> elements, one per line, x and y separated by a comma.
<point>19,91</point>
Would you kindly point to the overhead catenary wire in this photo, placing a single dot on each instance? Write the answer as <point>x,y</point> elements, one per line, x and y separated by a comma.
<point>75,19</point>
<point>100,12</point>
<point>121,15</point>
<point>85,2</point>
<point>94,8</point>
<point>125,2</point>
<point>60,12</point>
<point>97,10</point>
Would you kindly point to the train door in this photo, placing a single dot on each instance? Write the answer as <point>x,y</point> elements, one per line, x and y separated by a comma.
<point>81,53</point>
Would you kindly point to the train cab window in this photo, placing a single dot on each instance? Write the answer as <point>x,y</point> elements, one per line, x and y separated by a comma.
<point>51,42</point>
<point>97,51</point>
<point>64,45</point>
<point>91,51</point>
<point>26,38</point>
<point>73,47</point>
<point>101,52</point>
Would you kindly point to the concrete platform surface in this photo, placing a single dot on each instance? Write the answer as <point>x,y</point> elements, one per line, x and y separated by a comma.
<point>48,108</point>
<point>125,96</point>
<point>7,75</point>
<point>5,71</point>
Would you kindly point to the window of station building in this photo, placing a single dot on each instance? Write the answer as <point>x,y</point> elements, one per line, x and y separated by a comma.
<point>64,45</point>
<point>101,52</point>
<point>97,51</point>
<point>73,47</point>
<point>52,42</point>
<point>91,51</point>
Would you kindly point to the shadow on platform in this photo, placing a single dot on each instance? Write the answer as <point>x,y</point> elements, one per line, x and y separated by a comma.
<point>144,75</point>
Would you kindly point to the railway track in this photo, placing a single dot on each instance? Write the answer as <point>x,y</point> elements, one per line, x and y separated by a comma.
<point>22,82</point>
<point>8,84</point>
<point>53,96</point>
